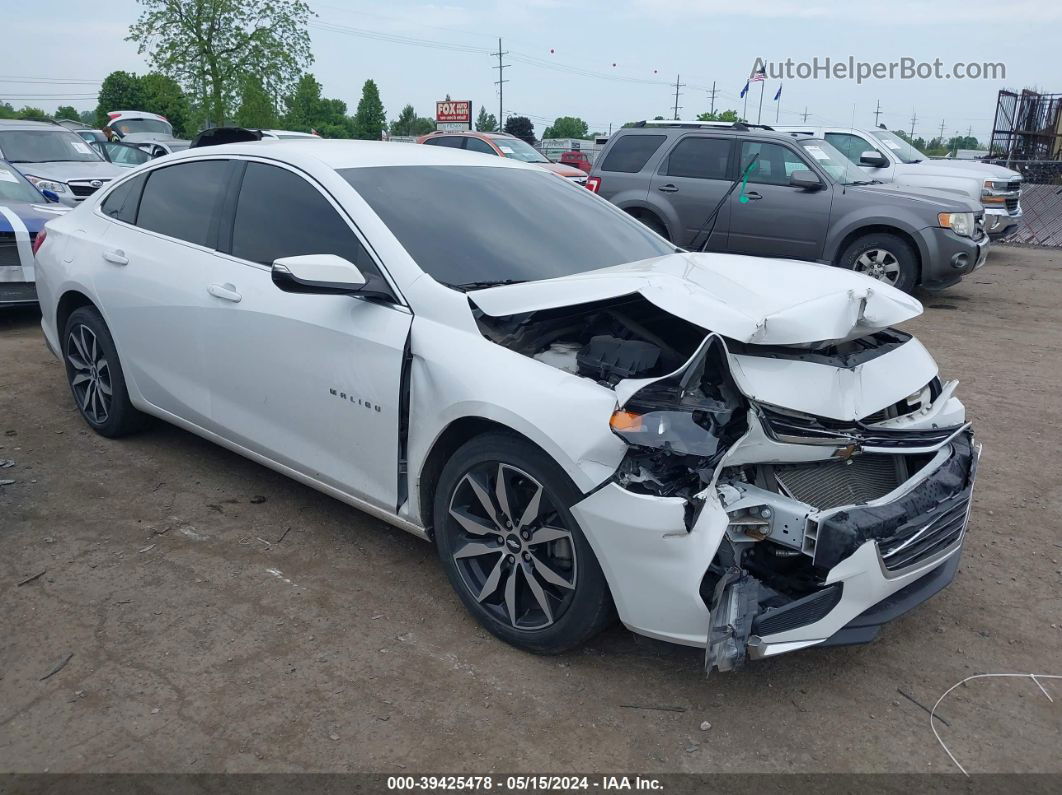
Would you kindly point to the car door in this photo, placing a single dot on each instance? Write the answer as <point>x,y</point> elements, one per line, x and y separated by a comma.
<point>771,218</point>
<point>691,180</point>
<point>156,254</point>
<point>309,381</point>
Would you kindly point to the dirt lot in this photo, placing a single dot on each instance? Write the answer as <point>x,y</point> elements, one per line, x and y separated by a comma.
<point>223,618</point>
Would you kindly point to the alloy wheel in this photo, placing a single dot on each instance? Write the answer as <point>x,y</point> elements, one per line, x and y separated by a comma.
<point>511,546</point>
<point>880,264</point>
<point>91,378</point>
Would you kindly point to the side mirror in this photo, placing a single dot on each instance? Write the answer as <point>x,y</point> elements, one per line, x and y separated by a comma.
<point>51,196</point>
<point>806,180</point>
<point>326,274</point>
<point>874,159</point>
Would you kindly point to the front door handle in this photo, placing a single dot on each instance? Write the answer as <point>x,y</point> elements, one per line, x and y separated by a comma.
<point>753,195</point>
<point>116,256</point>
<point>669,188</point>
<point>226,292</point>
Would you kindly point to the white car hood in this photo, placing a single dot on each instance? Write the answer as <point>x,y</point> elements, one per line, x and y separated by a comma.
<point>965,168</point>
<point>750,299</point>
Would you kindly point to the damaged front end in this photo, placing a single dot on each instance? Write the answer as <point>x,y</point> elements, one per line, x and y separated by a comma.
<point>772,496</point>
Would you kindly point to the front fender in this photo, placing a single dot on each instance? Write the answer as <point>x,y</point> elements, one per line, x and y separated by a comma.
<point>902,220</point>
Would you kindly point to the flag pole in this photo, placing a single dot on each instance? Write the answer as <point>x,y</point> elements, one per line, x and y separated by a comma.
<point>745,110</point>
<point>759,114</point>
<point>778,108</point>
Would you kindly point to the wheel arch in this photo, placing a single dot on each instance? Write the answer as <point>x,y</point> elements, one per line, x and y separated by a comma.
<point>854,234</point>
<point>70,300</point>
<point>643,213</point>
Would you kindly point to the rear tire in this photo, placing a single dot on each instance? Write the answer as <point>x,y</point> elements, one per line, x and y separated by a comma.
<point>885,257</point>
<point>515,555</point>
<point>95,375</point>
<point>654,223</point>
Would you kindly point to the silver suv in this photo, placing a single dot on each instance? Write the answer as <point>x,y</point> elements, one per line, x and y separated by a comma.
<point>748,190</point>
<point>55,159</point>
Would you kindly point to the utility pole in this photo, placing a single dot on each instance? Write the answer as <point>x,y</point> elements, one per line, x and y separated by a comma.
<point>805,114</point>
<point>712,95</point>
<point>914,118</point>
<point>877,114</point>
<point>678,85</point>
<point>500,83</point>
<point>942,132</point>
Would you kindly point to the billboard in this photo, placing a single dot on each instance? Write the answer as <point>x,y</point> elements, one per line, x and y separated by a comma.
<point>453,114</point>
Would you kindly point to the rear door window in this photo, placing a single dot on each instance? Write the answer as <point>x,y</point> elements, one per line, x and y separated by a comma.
<point>453,141</point>
<point>184,200</point>
<point>631,152</point>
<point>477,145</point>
<point>700,158</point>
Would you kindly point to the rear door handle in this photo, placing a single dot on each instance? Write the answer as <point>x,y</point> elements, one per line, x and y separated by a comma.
<point>667,188</point>
<point>226,292</point>
<point>116,256</point>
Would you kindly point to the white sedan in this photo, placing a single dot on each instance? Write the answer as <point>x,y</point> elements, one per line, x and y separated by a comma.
<point>728,452</point>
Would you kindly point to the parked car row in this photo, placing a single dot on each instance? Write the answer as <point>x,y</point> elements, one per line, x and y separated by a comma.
<point>751,190</point>
<point>23,212</point>
<point>736,453</point>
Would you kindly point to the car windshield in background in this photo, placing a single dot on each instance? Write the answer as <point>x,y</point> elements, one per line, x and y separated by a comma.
<point>15,188</point>
<point>127,126</point>
<point>44,146</point>
<point>470,227</point>
<point>899,147</point>
<point>516,149</point>
<point>840,168</point>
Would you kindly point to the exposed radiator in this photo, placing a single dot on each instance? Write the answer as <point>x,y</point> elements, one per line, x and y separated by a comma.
<point>830,484</point>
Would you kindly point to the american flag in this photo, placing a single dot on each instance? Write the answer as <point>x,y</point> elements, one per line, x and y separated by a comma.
<point>757,76</point>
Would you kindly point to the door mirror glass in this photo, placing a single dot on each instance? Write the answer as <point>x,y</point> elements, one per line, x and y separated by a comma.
<point>805,179</point>
<point>874,159</point>
<point>317,273</point>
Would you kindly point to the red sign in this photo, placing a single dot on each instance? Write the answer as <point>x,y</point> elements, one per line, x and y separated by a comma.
<point>455,110</point>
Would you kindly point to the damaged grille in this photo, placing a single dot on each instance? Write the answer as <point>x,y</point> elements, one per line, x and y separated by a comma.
<point>817,430</point>
<point>940,534</point>
<point>831,484</point>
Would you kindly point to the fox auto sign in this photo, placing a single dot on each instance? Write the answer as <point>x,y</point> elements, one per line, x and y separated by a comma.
<point>454,114</point>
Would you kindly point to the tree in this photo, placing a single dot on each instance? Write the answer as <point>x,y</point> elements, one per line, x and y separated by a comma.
<point>567,127</point>
<point>409,123</point>
<point>521,127</point>
<point>256,107</point>
<point>163,95</point>
<point>485,122</point>
<point>719,115</point>
<point>119,91</point>
<point>370,119</point>
<point>67,112</point>
<point>307,110</point>
<point>210,46</point>
<point>31,114</point>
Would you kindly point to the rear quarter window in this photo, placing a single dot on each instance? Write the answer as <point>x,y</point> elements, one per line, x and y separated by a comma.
<point>631,152</point>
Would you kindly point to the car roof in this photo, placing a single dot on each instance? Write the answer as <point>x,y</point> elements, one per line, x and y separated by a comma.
<point>679,128</point>
<point>25,124</point>
<point>344,153</point>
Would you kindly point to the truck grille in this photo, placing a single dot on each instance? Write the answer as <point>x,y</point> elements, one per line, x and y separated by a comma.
<point>925,542</point>
<point>833,483</point>
<point>1012,205</point>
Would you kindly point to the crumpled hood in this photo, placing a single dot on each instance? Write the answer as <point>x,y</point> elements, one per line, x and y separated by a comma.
<point>750,299</point>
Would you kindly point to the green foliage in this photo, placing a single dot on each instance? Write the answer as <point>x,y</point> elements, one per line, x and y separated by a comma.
<point>7,111</point>
<point>163,95</point>
<point>409,123</point>
<point>719,115</point>
<point>521,127</point>
<point>485,122</point>
<point>119,91</point>
<point>67,112</point>
<point>306,111</point>
<point>256,106</point>
<point>370,119</point>
<point>567,127</point>
<point>87,117</point>
<point>210,46</point>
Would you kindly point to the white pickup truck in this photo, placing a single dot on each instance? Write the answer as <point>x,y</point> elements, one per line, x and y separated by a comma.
<point>889,158</point>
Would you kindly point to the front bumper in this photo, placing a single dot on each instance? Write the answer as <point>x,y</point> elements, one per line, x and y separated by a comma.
<point>999,222</point>
<point>948,257</point>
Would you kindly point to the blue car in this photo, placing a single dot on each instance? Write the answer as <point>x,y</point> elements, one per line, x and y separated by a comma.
<point>24,210</point>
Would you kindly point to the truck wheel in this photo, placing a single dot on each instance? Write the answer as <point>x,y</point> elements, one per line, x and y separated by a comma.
<point>512,549</point>
<point>885,257</point>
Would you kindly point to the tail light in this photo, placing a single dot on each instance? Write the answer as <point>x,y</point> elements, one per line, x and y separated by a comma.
<point>593,184</point>
<point>113,114</point>
<point>36,245</point>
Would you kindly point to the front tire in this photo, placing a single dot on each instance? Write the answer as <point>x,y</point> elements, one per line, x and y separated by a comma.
<point>95,375</point>
<point>885,257</point>
<point>512,549</point>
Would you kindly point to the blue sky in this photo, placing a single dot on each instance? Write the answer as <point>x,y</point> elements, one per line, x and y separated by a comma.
<point>608,62</point>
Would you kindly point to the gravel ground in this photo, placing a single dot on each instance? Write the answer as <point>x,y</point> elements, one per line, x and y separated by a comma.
<point>223,618</point>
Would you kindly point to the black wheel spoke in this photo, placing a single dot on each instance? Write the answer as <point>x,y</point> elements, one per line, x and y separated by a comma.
<point>90,379</point>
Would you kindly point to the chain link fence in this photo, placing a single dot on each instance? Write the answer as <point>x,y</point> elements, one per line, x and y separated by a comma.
<point>1041,202</point>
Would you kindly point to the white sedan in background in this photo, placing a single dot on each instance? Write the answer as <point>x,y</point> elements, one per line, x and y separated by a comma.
<point>729,452</point>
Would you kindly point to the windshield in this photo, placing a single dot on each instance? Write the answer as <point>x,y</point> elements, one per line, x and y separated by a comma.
<point>472,226</point>
<point>520,150</point>
<point>15,188</point>
<point>44,146</point>
<point>841,170</point>
<point>127,126</point>
<point>899,147</point>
